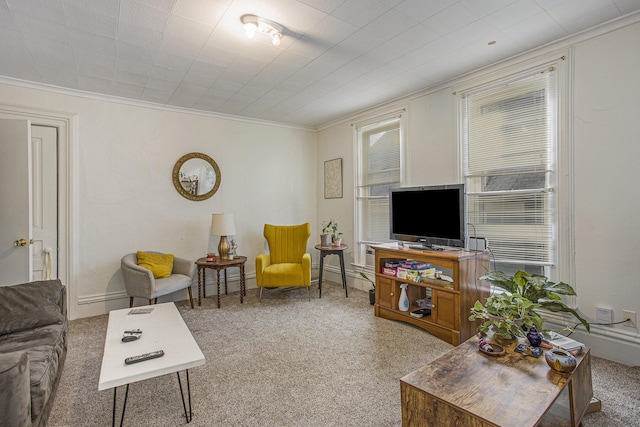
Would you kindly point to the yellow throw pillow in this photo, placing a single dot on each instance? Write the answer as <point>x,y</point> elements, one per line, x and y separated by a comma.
<point>161,265</point>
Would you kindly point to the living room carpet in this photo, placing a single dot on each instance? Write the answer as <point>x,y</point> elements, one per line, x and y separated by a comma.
<point>288,362</point>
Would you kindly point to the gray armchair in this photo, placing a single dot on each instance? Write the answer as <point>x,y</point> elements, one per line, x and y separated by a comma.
<point>139,281</point>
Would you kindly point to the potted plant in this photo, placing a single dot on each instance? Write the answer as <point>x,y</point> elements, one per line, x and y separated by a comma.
<point>330,229</point>
<point>372,292</point>
<point>325,237</point>
<point>513,312</point>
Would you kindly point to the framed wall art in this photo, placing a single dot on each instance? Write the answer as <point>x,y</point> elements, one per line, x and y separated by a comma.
<point>333,179</point>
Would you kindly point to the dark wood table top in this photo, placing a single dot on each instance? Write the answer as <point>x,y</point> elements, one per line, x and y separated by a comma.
<point>238,259</point>
<point>332,248</point>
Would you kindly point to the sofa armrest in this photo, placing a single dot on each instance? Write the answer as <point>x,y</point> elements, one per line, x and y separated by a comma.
<point>183,266</point>
<point>262,261</point>
<point>15,390</point>
<point>138,281</point>
<point>306,268</point>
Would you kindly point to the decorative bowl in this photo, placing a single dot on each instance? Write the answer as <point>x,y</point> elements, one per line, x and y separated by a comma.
<point>497,350</point>
<point>560,360</point>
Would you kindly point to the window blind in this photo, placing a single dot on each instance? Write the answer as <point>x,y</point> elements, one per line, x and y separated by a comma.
<point>509,147</point>
<point>378,171</point>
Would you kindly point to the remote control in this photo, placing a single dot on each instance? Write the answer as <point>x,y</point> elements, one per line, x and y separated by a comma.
<point>142,357</point>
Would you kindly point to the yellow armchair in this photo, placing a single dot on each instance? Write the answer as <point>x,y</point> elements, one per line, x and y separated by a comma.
<point>287,264</point>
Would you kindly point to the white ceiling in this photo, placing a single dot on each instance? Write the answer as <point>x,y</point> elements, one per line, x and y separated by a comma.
<point>337,56</point>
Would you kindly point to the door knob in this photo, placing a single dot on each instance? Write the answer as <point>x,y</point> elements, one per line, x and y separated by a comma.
<point>21,242</point>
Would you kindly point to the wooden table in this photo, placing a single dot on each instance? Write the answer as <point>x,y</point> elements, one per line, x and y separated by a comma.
<point>332,250</point>
<point>203,264</point>
<point>162,329</point>
<point>467,387</point>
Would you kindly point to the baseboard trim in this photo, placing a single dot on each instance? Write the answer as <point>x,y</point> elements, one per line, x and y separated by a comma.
<point>211,281</point>
<point>99,304</point>
<point>100,298</point>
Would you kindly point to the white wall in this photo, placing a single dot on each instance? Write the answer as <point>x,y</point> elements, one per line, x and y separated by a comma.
<point>125,199</point>
<point>335,143</point>
<point>432,141</point>
<point>432,159</point>
<point>606,149</point>
<point>607,199</point>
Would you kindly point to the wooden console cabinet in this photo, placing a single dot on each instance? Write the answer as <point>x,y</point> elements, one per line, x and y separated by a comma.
<point>451,302</point>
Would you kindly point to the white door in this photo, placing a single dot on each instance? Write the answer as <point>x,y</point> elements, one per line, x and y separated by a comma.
<point>15,209</point>
<point>44,208</point>
<point>28,188</point>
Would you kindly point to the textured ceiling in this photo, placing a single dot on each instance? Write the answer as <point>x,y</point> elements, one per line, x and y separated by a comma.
<point>337,56</point>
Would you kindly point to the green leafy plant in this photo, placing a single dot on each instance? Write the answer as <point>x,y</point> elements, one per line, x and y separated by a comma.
<point>373,284</point>
<point>513,312</point>
<point>331,227</point>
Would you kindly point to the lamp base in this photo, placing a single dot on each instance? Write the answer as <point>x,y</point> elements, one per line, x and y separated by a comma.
<point>223,248</point>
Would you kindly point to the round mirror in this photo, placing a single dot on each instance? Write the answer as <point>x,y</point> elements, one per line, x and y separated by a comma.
<point>196,176</point>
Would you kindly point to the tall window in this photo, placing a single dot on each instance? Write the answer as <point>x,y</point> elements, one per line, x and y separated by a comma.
<point>509,163</point>
<point>379,169</point>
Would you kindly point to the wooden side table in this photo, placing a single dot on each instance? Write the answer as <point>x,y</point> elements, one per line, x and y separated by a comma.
<point>332,250</point>
<point>203,264</point>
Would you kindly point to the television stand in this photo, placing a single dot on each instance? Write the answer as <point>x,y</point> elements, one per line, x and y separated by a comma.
<point>450,301</point>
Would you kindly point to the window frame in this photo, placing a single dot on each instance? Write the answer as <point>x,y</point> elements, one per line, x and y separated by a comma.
<point>363,256</point>
<point>562,62</point>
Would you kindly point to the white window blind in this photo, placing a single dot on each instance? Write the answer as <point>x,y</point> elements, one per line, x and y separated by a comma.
<point>378,170</point>
<point>509,146</point>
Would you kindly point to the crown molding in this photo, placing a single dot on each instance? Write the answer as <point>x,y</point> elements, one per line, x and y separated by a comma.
<point>145,104</point>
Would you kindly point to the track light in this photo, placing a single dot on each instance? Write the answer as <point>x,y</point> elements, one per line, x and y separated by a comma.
<point>254,24</point>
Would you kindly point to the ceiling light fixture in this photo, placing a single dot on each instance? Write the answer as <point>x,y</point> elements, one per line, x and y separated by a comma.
<point>254,24</point>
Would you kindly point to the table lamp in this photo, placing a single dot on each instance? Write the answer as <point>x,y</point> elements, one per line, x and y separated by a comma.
<point>223,225</point>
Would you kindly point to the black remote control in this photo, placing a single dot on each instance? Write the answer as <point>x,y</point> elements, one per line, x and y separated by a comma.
<point>142,357</point>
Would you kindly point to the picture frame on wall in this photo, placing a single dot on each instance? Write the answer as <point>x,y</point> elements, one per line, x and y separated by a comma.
<point>333,179</point>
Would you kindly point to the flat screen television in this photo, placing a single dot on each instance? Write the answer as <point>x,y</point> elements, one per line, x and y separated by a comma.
<point>428,215</point>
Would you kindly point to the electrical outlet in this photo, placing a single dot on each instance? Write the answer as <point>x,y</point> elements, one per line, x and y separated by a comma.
<point>631,315</point>
<point>604,315</point>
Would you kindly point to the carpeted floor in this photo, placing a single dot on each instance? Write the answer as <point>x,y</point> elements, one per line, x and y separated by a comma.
<point>288,362</point>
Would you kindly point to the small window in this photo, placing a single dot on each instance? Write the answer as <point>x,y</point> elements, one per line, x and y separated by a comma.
<point>379,169</point>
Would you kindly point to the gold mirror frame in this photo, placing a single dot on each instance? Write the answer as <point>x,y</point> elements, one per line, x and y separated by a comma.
<point>177,182</point>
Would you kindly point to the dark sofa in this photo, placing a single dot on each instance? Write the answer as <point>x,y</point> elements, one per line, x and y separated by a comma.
<point>33,348</point>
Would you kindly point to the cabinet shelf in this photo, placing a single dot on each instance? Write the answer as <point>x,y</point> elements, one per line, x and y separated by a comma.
<point>426,282</point>
<point>451,301</point>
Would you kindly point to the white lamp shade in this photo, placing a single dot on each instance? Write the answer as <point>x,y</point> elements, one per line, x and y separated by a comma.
<point>223,224</point>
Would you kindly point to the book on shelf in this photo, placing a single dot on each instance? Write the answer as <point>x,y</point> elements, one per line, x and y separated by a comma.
<point>555,339</point>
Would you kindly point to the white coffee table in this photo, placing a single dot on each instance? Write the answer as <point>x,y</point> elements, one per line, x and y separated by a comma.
<point>162,329</point>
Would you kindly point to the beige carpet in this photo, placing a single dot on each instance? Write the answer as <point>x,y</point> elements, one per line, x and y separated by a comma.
<point>288,362</point>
